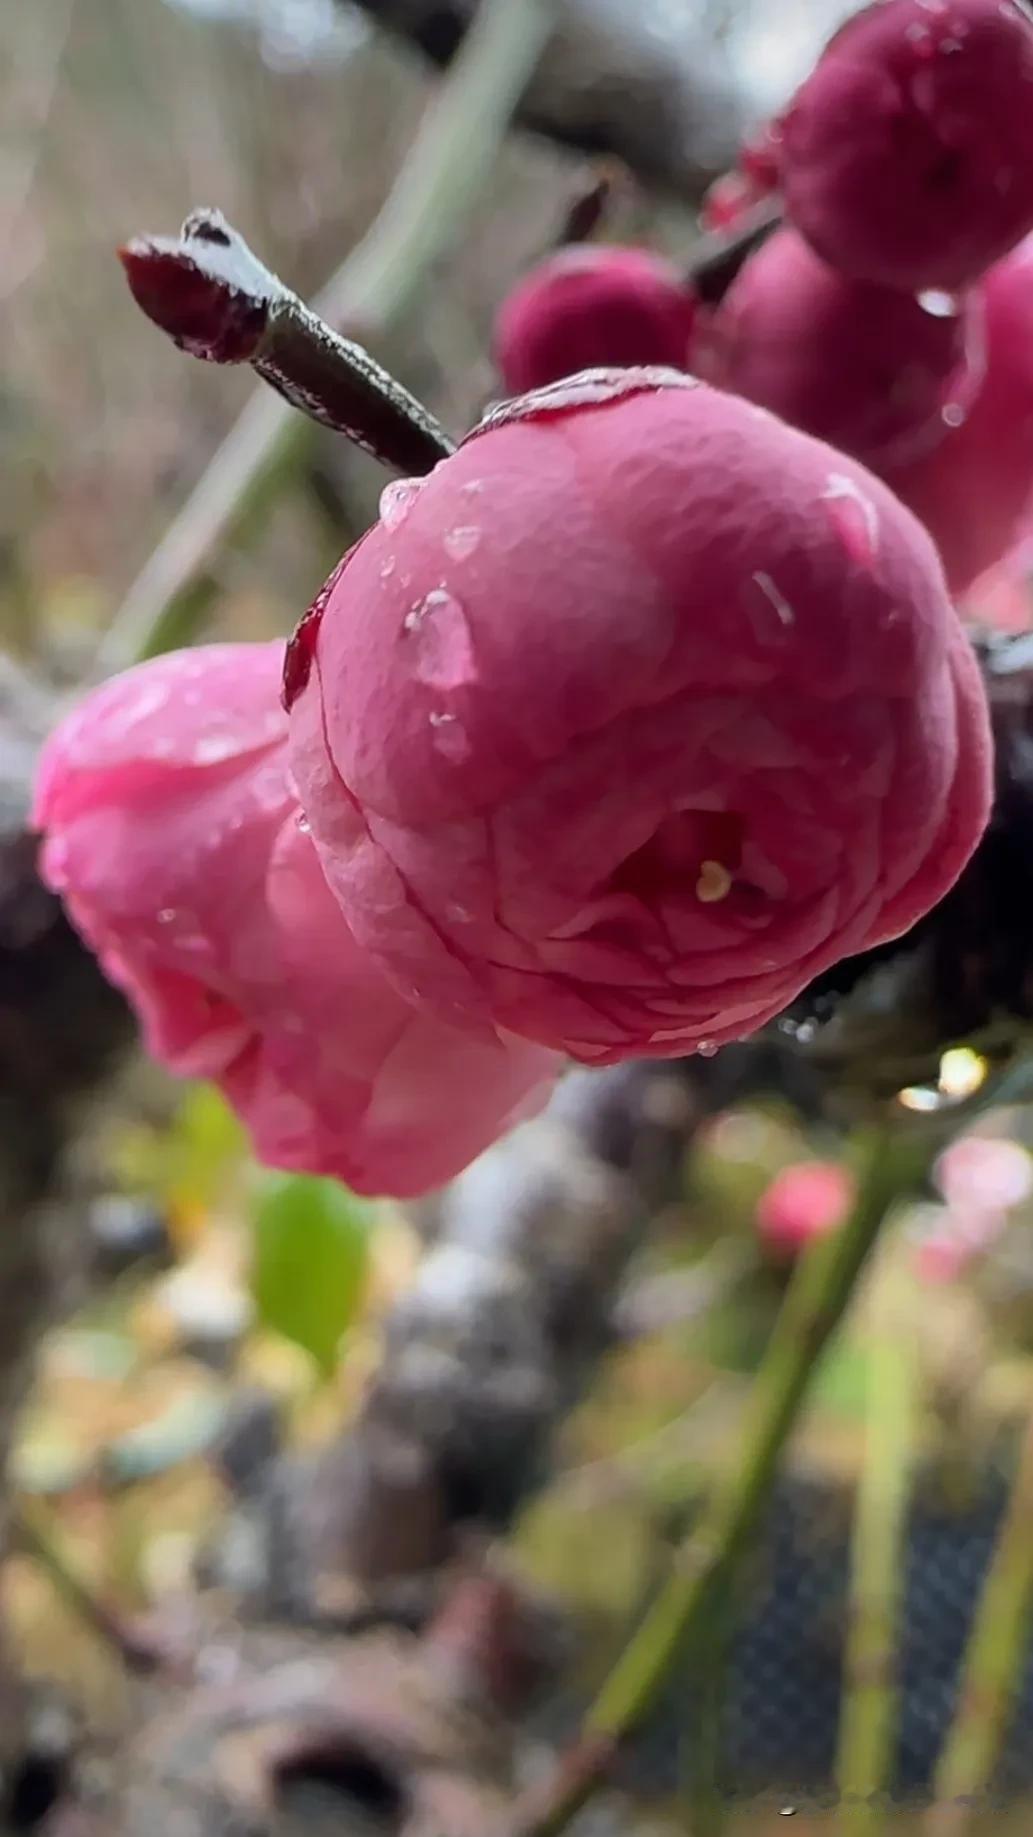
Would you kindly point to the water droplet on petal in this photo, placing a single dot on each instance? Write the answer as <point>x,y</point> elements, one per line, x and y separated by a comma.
<point>707,1049</point>
<point>776,603</point>
<point>167,915</point>
<point>397,499</point>
<point>939,304</point>
<point>387,568</point>
<point>853,516</point>
<point>303,823</point>
<point>444,654</point>
<point>954,414</point>
<point>449,735</point>
<point>463,542</point>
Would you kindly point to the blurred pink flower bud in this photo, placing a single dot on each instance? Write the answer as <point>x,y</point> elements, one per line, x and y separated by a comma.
<point>907,155</point>
<point>984,1171</point>
<point>637,713</point>
<point>879,373</point>
<point>803,1202</point>
<point>974,490</point>
<point>174,837</point>
<point>591,305</point>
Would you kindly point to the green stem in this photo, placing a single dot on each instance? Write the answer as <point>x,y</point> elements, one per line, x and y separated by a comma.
<point>443,173</point>
<point>992,1667</point>
<point>868,1723</point>
<point>691,1614</point>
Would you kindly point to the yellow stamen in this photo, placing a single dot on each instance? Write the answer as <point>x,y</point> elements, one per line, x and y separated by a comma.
<point>714,883</point>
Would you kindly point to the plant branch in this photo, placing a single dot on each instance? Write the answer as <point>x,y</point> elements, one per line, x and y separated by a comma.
<point>34,1537</point>
<point>217,301</point>
<point>691,1612</point>
<point>372,290</point>
<point>717,256</point>
<point>992,1666</point>
<point>867,1724</point>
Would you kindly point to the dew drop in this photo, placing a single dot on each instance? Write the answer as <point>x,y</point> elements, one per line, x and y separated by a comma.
<point>854,518</point>
<point>463,542</point>
<point>397,499</point>
<point>167,915</point>
<point>303,824</point>
<point>939,304</point>
<point>440,631</point>
<point>776,601</point>
<point>707,1049</point>
<point>449,736</point>
<point>954,414</point>
<point>387,568</point>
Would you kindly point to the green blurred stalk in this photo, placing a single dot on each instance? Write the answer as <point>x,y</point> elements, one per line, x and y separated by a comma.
<point>870,1701</point>
<point>443,174</point>
<point>692,1614</point>
<point>992,1667</point>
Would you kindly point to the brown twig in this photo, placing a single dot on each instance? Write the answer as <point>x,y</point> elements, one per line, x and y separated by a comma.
<point>718,255</point>
<point>218,302</point>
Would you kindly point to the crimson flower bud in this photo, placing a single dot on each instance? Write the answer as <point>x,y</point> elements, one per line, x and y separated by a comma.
<point>908,152</point>
<point>593,306</point>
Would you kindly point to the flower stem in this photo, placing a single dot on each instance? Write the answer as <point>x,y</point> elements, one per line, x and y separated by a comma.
<point>690,1616</point>
<point>436,187</point>
<point>868,1720</point>
<point>992,1667</point>
<point>217,301</point>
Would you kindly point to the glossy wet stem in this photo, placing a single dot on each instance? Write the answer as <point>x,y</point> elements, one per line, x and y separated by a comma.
<point>209,292</point>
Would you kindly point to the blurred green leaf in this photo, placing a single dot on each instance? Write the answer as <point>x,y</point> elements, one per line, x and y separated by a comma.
<point>311,1246</point>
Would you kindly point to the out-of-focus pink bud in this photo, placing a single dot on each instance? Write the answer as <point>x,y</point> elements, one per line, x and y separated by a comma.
<point>907,155</point>
<point>882,374</point>
<point>975,489</point>
<point>803,1202</point>
<point>591,305</point>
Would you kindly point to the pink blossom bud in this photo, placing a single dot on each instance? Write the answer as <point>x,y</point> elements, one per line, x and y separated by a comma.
<point>591,305</point>
<point>907,155</point>
<point>803,1202</point>
<point>975,489</point>
<point>883,375</point>
<point>174,836</point>
<point>636,714</point>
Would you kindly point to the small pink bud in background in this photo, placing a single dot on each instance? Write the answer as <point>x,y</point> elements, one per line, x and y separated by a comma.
<point>803,1202</point>
<point>974,491</point>
<point>590,306</point>
<point>174,836</point>
<point>879,373</point>
<point>907,155</point>
<point>638,712</point>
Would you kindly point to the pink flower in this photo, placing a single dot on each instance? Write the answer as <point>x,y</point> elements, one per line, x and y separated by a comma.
<point>591,305</point>
<point>173,835</point>
<point>879,373</point>
<point>803,1202</point>
<point>908,152</point>
<point>973,491</point>
<point>636,714</point>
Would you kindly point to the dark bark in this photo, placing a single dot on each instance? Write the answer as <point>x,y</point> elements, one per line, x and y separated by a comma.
<point>661,101</point>
<point>61,1028</point>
